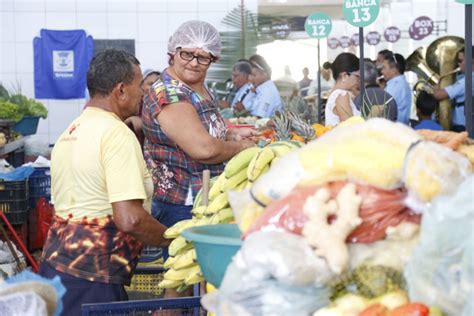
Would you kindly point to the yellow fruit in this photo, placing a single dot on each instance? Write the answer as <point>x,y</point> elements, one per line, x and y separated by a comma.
<point>235,180</point>
<point>258,163</point>
<point>240,161</point>
<point>217,204</point>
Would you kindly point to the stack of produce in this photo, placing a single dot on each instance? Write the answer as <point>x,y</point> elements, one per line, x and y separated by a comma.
<point>239,174</point>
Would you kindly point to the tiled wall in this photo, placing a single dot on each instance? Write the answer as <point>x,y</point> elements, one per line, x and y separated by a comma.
<point>149,22</point>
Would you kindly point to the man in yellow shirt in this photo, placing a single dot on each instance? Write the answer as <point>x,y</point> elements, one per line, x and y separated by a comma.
<point>100,186</point>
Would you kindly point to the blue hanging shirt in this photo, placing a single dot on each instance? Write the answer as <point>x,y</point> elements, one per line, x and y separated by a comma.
<point>61,61</point>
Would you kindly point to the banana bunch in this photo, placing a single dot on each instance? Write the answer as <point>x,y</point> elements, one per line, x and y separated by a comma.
<point>240,172</point>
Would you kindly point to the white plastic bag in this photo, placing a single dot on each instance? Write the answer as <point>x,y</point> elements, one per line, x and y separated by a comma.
<point>440,271</point>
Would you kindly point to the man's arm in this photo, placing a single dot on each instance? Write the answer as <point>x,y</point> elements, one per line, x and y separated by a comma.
<point>440,94</point>
<point>131,218</point>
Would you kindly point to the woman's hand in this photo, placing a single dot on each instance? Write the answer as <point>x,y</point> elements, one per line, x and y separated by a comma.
<point>239,107</point>
<point>239,134</point>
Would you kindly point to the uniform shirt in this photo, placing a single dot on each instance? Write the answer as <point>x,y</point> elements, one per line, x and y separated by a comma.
<point>97,161</point>
<point>400,90</point>
<point>428,124</point>
<point>245,93</point>
<point>456,92</point>
<point>267,100</point>
<point>176,176</point>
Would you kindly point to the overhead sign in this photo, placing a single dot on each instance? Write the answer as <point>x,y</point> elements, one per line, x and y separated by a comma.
<point>421,28</point>
<point>345,41</point>
<point>360,13</point>
<point>280,30</point>
<point>392,34</point>
<point>373,38</point>
<point>355,39</point>
<point>318,25</point>
<point>333,43</point>
<point>465,1</point>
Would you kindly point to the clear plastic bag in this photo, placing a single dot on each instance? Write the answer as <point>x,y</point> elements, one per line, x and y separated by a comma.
<point>379,210</point>
<point>440,271</point>
<point>274,273</point>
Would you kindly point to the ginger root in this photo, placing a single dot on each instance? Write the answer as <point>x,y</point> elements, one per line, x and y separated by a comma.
<point>329,237</point>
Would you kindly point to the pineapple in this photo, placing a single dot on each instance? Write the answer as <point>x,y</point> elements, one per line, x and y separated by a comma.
<point>282,126</point>
<point>301,128</point>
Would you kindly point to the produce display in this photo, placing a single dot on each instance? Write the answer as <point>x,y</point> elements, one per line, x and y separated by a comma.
<point>355,197</point>
<point>13,106</point>
<point>240,172</point>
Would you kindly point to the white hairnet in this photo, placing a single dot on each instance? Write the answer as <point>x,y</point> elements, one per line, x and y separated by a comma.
<point>196,34</point>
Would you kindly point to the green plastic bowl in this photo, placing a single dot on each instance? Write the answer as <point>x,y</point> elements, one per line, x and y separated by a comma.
<point>215,246</point>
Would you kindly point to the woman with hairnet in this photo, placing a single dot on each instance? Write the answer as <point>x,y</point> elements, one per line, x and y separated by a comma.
<point>184,132</point>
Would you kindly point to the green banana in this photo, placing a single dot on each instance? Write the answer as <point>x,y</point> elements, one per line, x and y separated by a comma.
<point>178,245</point>
<point>224,216</point>
<point>194,278</point>
<point>169,284</point>
<point>240,161</point>
<point>258,163</point>
<point>179,275</point>
<point>217,204</point>
<point>235,180</point>
<point>185,259</point>
<point>216,188</point>
<point>182,287</point>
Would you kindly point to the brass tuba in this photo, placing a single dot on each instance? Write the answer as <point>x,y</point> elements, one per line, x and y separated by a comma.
<point>436,65</point>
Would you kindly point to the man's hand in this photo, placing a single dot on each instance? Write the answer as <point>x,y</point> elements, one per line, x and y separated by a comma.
<point>239,107</point>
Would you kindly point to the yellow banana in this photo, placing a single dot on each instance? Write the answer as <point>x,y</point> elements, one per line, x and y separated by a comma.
<point>179,275</point>
<point>240,161</point>
<point>258,163</point>
<point>194,278</point>
<point>241,186</point>
<point>177,228</point>
<point>169,262</point>
<point>224,216</point>
<point>178,245</point>
<point>185,260</point>
<point>197,199</point>
<point>217,204</point>
<point>235,180</point>
<point>216,188</point>
<point>281,150</point>
<point>169,284</point>
<point>198,212</point>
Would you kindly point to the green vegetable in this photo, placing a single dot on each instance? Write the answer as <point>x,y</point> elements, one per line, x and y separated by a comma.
<point>10,111</point>
<point>29,107</point>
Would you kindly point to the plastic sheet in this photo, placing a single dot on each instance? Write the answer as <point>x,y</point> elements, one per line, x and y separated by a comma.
<point>441,269</point>
<point>274,274</point>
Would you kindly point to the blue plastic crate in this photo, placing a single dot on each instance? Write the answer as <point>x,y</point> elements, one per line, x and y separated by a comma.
<point>186,306</point>
<point>27,125</point>
<point>39,184</point>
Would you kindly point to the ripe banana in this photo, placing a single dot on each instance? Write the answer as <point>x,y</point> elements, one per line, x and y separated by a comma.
<point>169,262</point>
<point>240,161</point>
<point>217,204</point>
<point>235,180</point>
<point>177,228</point>
<point>241,186</point>
<point>216,188</point>
<point>258,163</point>
<point>199,211</point>
<point>194,278</point>
<point>281,149</point>
<point>181,274</point>
<point>185,259</point>
<point>169,284</point>
<point>224,216</point>
<point>178,245</point>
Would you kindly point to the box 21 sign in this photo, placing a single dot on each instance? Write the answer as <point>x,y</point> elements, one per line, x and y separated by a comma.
<point>361,13</point>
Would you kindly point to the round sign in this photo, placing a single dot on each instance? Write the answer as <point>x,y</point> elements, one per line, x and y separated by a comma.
<point>421,28</point>
<point>361,13</point>
<point>345,41</point>
<point>466,1</point>
<point>355,39</point>
<point>392,34</point>
<point>318,25</point>
<point>333,43</point>
<point>373,38</point>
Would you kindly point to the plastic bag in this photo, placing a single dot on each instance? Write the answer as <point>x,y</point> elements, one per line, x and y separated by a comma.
<point>432,170</point>
<point>273,274</point>
<point>18,174</point>
<point>379,210</point>
<point>35,146</point>
<point>27,303</point>
<point>440,271</point>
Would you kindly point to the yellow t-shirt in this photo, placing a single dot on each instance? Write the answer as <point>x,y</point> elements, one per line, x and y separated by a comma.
<point>95,162</point>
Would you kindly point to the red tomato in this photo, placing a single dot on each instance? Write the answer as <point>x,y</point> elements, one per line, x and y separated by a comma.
<point>374,310</point>
<point>410,309</point>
